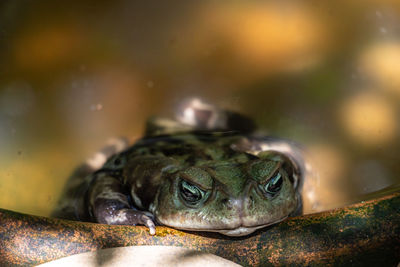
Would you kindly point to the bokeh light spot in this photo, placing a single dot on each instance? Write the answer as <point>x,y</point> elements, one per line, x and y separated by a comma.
<point>369,119</point>
<point>381,62</point>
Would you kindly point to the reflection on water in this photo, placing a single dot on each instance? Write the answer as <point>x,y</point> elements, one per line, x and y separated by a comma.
<point>325,75</point>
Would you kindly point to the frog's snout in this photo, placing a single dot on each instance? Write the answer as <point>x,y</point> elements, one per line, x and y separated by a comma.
<point>232,204</point>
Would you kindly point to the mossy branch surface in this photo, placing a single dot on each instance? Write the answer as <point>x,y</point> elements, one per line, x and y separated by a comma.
<point>367,233</point>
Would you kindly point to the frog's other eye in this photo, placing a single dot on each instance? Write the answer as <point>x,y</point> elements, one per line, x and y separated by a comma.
<point>274,185</point>
<point>190,193</point>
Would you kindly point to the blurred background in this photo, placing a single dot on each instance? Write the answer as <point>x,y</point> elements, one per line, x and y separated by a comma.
<point>325,74</point>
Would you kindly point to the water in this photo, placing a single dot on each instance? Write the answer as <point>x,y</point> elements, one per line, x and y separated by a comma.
<point>325,75</point>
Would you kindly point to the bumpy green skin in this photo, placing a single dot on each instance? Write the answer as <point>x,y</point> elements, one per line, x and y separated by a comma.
<point>202,171</point>
<point>148,178</point>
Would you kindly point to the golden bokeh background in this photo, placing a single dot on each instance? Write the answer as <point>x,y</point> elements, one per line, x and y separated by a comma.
<point>324,74</point>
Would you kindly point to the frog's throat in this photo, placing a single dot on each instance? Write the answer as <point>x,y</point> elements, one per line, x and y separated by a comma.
<point>240,231</point>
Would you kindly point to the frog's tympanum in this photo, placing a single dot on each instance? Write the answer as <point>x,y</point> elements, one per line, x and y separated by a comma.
<point>203,171</point>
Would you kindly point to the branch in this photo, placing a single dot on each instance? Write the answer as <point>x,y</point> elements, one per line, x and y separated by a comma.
<point>362,234</point>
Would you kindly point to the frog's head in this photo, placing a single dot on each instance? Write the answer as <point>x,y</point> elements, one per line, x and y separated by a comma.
<point>230,197</point>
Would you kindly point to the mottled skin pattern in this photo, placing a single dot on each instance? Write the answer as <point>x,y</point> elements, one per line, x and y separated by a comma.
<point>192,180</point>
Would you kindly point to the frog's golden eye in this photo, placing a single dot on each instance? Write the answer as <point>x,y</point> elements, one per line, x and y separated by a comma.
<point>273,185</point>
<point>190,193</point>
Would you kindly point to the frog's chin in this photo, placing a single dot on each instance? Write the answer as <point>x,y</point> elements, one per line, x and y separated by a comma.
<point>241,231</point>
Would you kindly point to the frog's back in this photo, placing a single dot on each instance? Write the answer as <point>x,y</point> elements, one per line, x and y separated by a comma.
<point>190,147</point>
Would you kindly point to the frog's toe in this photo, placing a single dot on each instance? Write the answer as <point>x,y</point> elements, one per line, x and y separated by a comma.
<point>134,217</point>
<point>204,116</point>
<point>145,220</point>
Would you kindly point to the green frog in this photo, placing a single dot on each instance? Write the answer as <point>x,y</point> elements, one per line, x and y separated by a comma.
<point>203,171</point>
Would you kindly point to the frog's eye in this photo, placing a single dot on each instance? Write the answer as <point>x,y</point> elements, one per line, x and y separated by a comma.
<point>274,185</point>
<point>191,193</point>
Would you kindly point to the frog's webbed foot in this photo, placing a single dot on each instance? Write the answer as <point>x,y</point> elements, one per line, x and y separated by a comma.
<point>107,212</point>
<point>109,204</point>
<point>197,115</point>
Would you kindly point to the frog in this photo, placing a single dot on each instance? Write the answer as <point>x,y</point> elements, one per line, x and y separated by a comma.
<point>205,170</point>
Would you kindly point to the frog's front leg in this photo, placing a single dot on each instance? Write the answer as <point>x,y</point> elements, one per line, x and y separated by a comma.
<point>110,205</point>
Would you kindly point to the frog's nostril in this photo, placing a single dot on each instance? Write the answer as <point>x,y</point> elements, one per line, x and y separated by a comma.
<point>226,203</point>
<point>250,202</point>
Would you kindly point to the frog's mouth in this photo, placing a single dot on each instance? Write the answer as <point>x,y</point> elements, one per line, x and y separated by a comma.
<point>238,231</point>
<point>244,230</point>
